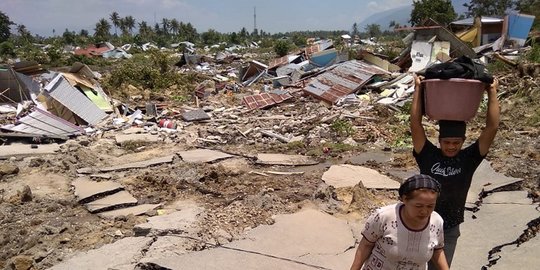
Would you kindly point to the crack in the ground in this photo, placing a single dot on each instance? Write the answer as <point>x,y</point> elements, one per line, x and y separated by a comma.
<point>532,230</point>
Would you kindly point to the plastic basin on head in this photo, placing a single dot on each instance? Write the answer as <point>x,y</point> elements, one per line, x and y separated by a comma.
<point>452,99</point>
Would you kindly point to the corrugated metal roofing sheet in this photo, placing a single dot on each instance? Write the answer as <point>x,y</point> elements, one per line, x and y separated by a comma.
<point>342,80</point>
<point>45,123</point>
<point>265,100</point>
<point>74,100</point>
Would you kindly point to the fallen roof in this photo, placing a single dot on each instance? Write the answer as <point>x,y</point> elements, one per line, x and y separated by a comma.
<point>44,123</point>
<point>342,79</point>
<point>62,91</point>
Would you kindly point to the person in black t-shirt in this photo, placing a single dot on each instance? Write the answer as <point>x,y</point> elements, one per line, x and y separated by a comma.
<point>449,164</point>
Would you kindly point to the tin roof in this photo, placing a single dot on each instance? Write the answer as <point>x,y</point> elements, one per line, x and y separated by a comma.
<point>343,79</point>
<point>45,123</point>
<point>62,91</point>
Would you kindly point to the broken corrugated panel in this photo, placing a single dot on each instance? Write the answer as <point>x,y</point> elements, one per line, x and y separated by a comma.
<point>264,100</point>
<point>344,79</point>
<point>74,100</point>
<point>45,123</point>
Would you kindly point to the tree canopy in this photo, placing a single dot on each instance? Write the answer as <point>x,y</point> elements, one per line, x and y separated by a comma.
<point>5,23</point>
<point>441,11</point>
<point>490,7</point>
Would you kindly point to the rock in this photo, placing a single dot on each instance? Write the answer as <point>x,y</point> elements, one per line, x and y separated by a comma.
<point>36,162</point>
<point>8,169</point>
<point>21,263</point>
<point>26,194</point>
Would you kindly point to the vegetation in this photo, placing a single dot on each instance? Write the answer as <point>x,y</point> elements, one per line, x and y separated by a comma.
<point>5,24</point>
<point>282,47</point>
<point>441,11</point>
<point>489,7</point>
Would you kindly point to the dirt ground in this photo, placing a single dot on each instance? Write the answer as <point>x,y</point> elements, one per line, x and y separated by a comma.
<point>42,222</point>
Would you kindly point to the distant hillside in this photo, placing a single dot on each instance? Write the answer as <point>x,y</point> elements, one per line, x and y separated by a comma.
<point>401,15</point>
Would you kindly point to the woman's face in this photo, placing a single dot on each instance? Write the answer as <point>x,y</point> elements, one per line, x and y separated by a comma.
<point>420,204</point>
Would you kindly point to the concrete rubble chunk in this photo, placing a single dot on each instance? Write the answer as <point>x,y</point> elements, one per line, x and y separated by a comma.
<point>123,138</point>
<point>304,240</point>
<point>121,254</point>
<point>486,179</point>
<point>178,221</point>
<point>281,159</point>
<point>133,210</point>
<point>86,188</point>
<point>345,175</point>
<point>140,164</point>
<point>493,225</point>
<point>119,199</point>
<point>18,150</point>
<point>195,115</point>
<point>202,155</point>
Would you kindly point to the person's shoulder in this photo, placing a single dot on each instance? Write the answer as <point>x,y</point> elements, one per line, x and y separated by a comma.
<point>436,218</point>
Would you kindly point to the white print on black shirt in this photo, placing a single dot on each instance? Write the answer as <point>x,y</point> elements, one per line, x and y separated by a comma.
<point>448,171</point>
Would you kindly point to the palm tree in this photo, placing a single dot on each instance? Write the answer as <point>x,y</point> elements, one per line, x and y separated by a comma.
<point>102,30</point>
<point>130,23</point>
<point>115,19</point>
<point>175,26</point>
<point>23,32</point>
<point>166,25</point>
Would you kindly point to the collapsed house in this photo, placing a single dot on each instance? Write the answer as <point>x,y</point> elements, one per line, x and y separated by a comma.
<point>68,102</point>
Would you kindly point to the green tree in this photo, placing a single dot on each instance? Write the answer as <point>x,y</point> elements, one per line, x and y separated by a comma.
<point>373,30</point>
<point>175,26</point>
<point>282,47</point>
<point>490,7</point>
<point>7,49</point>
<point>25,35</point>
<point>441,11</point>
<point>68,37</point>
<point>130,24</point>
<point>211,37</point>
<point>115,19</point>
<point>354,30</point>
<point>102,30</point>
<point>5,24</point>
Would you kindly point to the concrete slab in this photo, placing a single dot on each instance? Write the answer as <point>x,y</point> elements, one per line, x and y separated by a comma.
<point>195,115</point>
<point>226,259</point>
<point>402,175</point>
<point>86,188</point>
<point>345,175</point>
<point>116,200</point>
<point>487,179</point>
<point>508,197</point>
<point>362,158</point>
<point>19,150</point>
<point>202,155</point>
<point>118,255</point>
<point>168,246</point>
<point>281,159</point>
<point>133,210</point>
<point>306,240</point>
<point>524,256</point>
<point>182,221</point>
<point>494,224</point>
<point>140,164</point>
<point>123,138</point>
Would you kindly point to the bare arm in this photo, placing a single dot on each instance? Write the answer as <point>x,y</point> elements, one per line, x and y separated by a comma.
<point>492,119</point>
<point>439,259</point>
<point>362,253</point>
<point>417,130</point>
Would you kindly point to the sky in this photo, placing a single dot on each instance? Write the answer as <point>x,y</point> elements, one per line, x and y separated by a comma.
<point>225,16</point>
